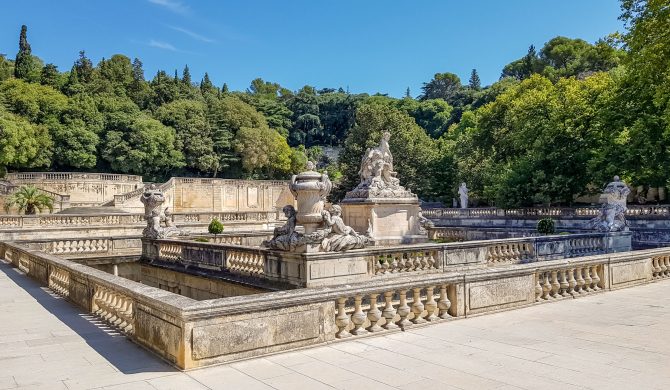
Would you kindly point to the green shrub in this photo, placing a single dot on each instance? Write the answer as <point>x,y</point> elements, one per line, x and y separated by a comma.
<point>546,226</point>
<point>201,239</point>
<point>215,227</point>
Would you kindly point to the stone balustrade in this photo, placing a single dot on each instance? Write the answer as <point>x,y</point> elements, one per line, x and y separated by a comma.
<point>510,253</point>
<point>238,260</point>
<point>332,268</point>
<point>193,334</point>
<point>407,261</point>
<point>568,281</point>
<point>32,176</point>
<point>113,308</point>
<point>660,266</point>
<point>383,310</point>
<point>633,212</point>
<point>73,248</point>
<point>67,220</point>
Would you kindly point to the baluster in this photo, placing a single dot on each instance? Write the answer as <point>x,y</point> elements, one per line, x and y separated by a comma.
<point>546,286</point>
<point>664,266</point>
<point>580,281</point>
<point>403,310</point>
<point>342,319</point>
<point>423,260</point>
<point>395,265</point>
<point>374,315</point>
<point>358,318</point>
<point>417,307</point>
<point>444,304</point>
<point>596,279</point>
<point>564,283</point>
<point>555,285</point>
<point>389,311</point>
<point>587,279</point>
<point>431,305</point>
<point>431,260</point>
<point>656,268</point>
<point>538,287</point>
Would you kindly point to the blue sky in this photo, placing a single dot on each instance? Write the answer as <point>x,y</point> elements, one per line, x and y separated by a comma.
<point>368,46</point>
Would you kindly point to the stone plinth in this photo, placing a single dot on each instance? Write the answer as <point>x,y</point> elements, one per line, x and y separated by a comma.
<point>389,221</point>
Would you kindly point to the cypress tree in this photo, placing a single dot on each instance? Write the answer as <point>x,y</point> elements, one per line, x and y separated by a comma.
<point>24,62</point>
<point>407,93</point>
<point>475,82</point>
<point>224,89</point>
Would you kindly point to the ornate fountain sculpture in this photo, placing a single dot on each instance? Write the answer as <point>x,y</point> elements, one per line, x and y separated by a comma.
<point>324,231</point>
<point>159,223</point>
<point>379,204</point>
<point>612,216</point>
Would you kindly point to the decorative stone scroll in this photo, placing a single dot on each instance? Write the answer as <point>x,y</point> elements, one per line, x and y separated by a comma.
<point>378,179</point>
<point>159,223</point>
<point>612,214</point>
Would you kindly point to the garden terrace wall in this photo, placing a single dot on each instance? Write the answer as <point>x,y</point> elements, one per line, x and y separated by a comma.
<point>193,334</point>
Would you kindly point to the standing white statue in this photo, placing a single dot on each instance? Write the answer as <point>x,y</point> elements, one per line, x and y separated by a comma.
<point>463,192</point>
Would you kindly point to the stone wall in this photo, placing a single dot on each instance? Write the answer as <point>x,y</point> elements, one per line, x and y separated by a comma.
<point>192,334</point>
<point>84,189</point>
<point>213,195</point>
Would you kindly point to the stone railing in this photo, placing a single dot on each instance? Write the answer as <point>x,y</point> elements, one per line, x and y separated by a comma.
<point>332,268</point>
<point>196,180</point>
<point>238,260</point>
<point>34,176</point>
<point>388,309</point>
<point>65,220</point>
<point>634,211</point>
<point>87,247</point>
<point>193,334</point>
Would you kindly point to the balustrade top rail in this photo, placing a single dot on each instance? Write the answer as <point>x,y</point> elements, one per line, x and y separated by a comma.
<point>72,176</point>
<point>196,180</point>
<point>634,211</point>
<point>131,218</point>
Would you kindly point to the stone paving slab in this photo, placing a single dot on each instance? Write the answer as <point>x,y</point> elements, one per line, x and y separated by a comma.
<point>608,341</point>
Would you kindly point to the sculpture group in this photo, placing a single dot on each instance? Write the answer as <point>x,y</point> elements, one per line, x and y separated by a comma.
<point>159,223</point>
<point>612,213</point>
<point>378,178</point>
<point>324,230</point>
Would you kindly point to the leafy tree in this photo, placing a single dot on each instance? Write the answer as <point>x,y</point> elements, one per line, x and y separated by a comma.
<point>189,119</point>
<point>29,199</point>
<point>263,150</point>
<point>145,147</point>
<point>84,68</point>
<point>51,77</point>
<point>23,144</point>
<point>215,227</point>
<point>6,68</point>
<point>443,86</point>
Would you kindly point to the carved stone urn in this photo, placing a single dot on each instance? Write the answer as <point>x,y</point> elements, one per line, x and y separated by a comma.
<point>310,189</point>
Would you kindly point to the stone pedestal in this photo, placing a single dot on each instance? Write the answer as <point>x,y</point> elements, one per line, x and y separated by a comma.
<point>618,242</point>
<point>390,221</point>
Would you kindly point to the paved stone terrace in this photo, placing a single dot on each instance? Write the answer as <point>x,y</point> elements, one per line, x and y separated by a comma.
<point>617,340</point>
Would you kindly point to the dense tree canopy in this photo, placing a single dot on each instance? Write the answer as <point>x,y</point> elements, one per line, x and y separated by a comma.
<point>560,122</point>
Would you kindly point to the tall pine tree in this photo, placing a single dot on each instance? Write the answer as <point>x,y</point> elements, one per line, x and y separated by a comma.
<point>475,82</point>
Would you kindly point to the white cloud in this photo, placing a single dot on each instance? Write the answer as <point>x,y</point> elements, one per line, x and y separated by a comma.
<point>192,34</point>
<point>173,5</point>
<point>162,45</point>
